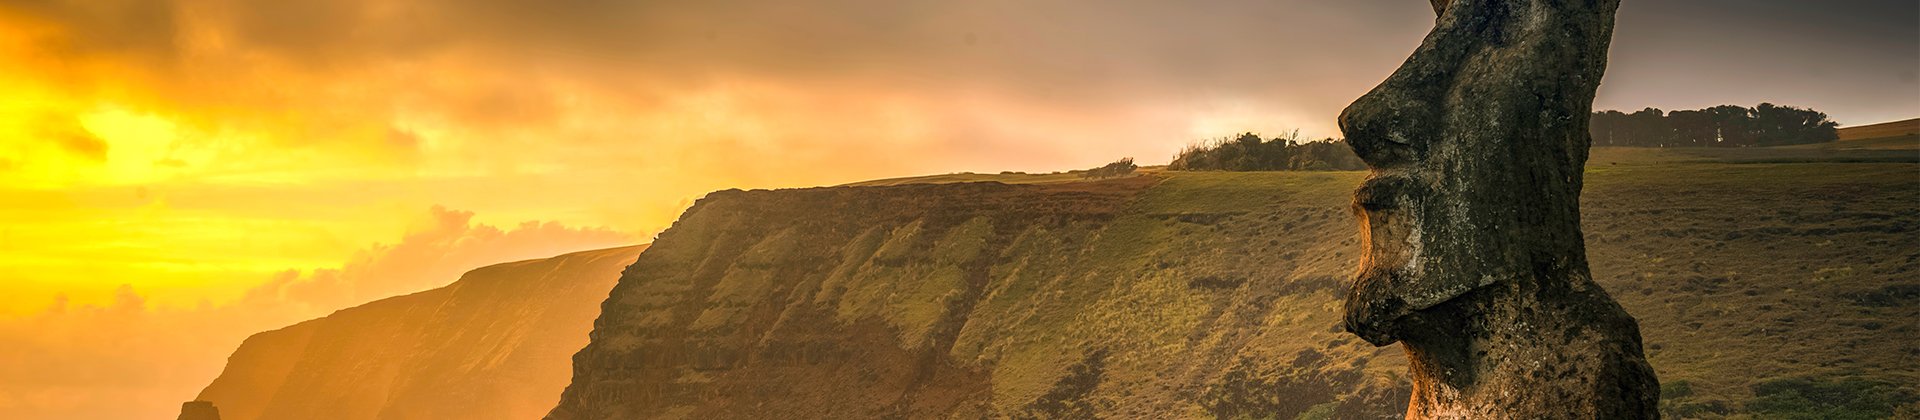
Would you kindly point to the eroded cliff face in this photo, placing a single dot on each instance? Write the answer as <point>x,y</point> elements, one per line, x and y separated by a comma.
<point>493,345</point>
<point>1135,297</point>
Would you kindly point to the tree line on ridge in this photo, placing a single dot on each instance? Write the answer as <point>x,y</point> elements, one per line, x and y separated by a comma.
<point>1721,126</point>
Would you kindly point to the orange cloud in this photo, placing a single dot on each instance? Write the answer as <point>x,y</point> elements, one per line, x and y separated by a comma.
<point>247,144</point>
<point>449,245</point>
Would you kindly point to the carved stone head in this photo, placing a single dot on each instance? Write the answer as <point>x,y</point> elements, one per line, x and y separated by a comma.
<point>1476,145</point>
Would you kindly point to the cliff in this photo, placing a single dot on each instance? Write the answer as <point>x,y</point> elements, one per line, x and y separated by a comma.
<point>198,410</point>
<point>493,345</point>
<point>1218,294</point>
<point>1126,296</point>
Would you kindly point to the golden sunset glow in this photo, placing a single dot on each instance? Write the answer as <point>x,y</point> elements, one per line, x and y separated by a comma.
<point>189,172</point>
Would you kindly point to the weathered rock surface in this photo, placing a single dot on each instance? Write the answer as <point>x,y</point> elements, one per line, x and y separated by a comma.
<point>493,345</point>
<point>199,410</point>
<point>977,300</point>
<point>1473,254</point>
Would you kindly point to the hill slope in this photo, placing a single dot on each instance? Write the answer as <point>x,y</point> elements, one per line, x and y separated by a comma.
<point>1215,294</point>
<point>493,345</point>
<point>1897,135</point>
<point>1886,129</point>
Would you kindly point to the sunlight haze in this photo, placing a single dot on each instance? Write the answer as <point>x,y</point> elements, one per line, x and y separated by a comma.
<point>188,160</point>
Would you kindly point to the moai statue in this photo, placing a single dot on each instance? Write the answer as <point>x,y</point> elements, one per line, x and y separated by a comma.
<point>1473,256</point>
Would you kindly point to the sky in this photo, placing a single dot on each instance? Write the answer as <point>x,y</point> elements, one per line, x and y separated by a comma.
<point>198,163</point>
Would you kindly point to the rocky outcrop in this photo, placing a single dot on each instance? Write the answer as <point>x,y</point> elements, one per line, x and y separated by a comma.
<point>1473,255</point>
<point>199,410</point>
<point>493,345</point>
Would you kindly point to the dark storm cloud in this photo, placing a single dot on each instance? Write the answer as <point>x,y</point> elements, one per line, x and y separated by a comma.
<point>1045,50</point>
<point>104,26</point>
<point>1854,58</point>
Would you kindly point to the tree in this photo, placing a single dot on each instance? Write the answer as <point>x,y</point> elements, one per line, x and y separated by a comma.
<point>1721,126</point>
<point>1735,124</point>
<point>1648,128</point>
<point>1608,128</point>
<point>1692,128</point>
<point>1783,125</point>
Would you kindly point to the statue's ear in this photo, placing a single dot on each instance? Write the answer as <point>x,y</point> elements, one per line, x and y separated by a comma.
<point>1440,6</point>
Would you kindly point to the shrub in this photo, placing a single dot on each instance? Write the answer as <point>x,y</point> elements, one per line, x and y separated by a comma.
<point>1118,168</point>
<point>1249,152</point>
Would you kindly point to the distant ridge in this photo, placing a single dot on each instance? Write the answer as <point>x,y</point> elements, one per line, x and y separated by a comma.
<point>495,345</point>
<point>1881,130</point>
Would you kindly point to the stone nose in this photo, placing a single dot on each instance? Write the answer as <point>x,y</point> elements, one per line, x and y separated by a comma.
<point>1383,126</point>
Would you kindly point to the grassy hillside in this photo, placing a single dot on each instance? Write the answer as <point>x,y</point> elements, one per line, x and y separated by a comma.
<point>1749,276</point>
<point>493,345</point>
<point>1781,283</point>
<point>1881,130</point>
<point>1897,135</point>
